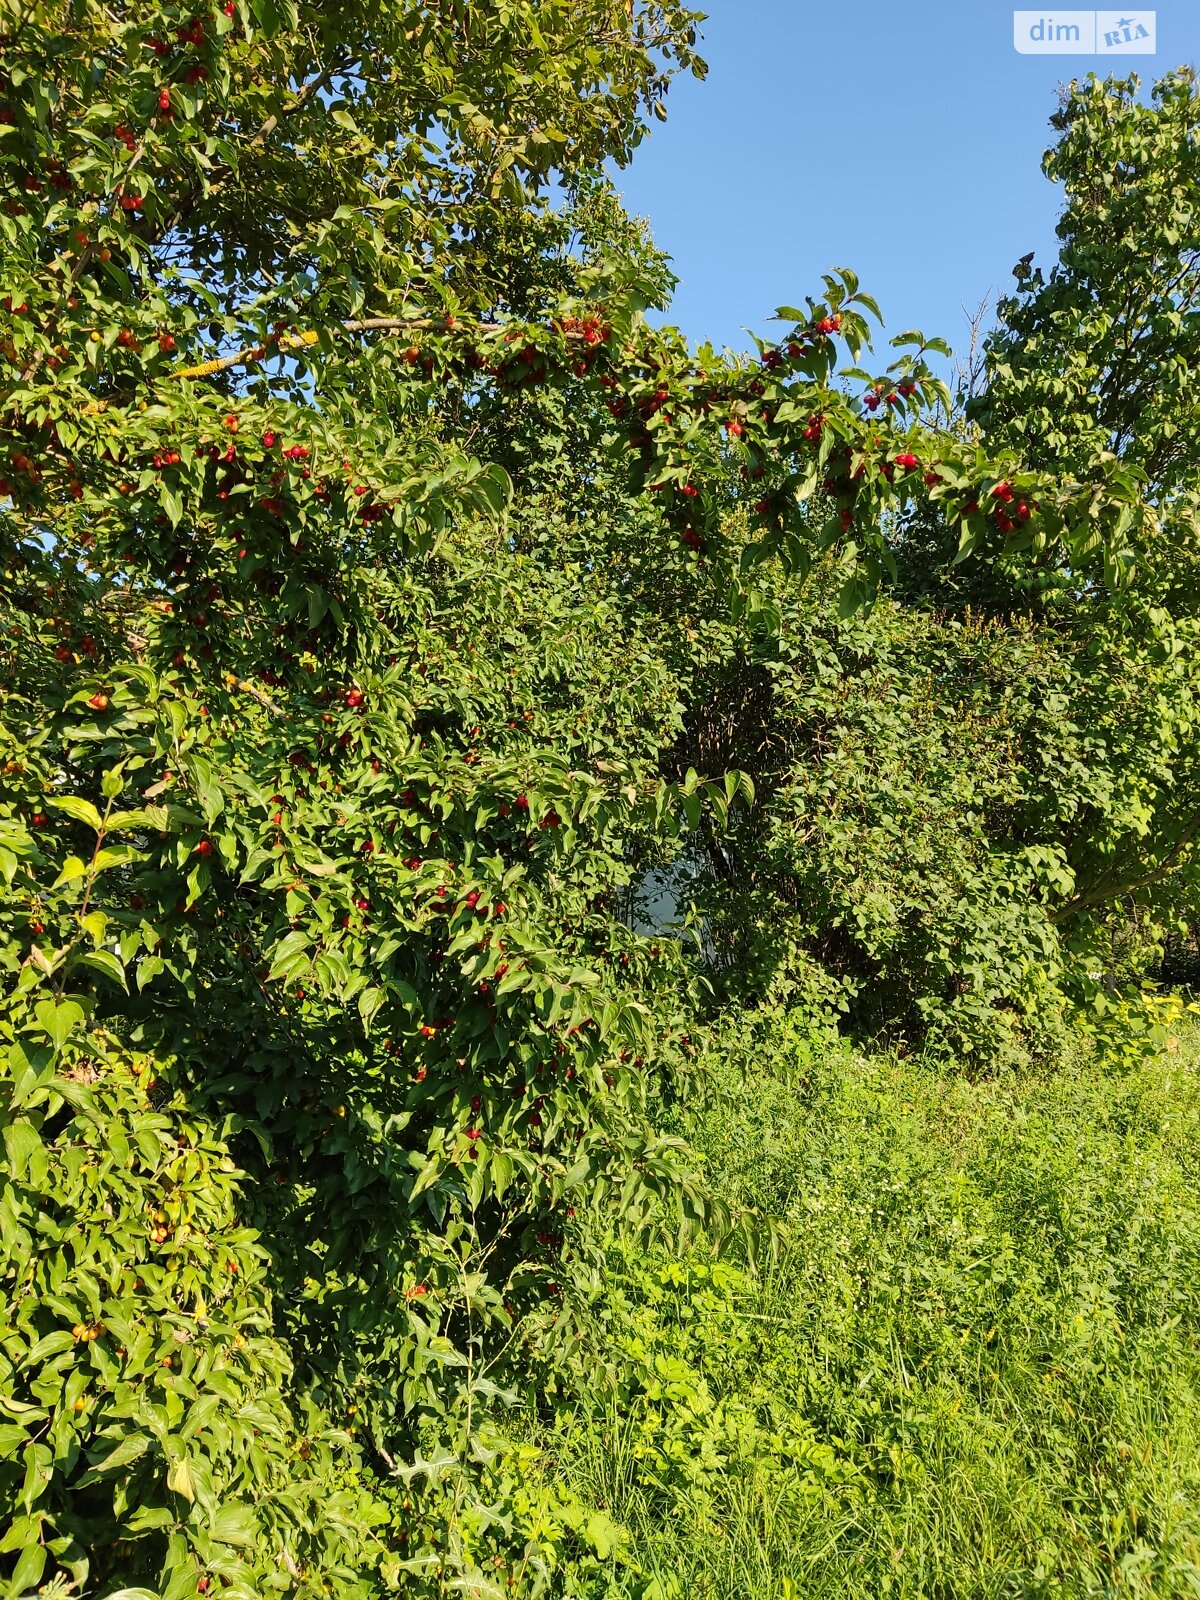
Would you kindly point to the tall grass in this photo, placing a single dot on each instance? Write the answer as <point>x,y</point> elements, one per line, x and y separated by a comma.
<point>972,1369</point>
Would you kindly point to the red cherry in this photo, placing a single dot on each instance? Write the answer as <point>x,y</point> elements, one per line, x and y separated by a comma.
<point>99,702</point>
<point>204,848</point>
<point>354,698</point>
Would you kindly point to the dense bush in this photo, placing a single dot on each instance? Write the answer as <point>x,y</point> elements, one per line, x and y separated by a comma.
<point>382,596</point>
<point>948,798</point>
<point>145,1386</point>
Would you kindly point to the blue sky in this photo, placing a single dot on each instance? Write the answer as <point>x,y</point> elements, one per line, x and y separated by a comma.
<point>904,141</point>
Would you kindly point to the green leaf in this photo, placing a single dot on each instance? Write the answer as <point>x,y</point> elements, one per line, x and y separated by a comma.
<point>120,820</point>
<point>58,1020</point>
<point>870,303</point>
<point>234,1523</point>
<point>52,1344</point>
<point>180,1479</point>
<point>112,782</point>
<point>120,856</point>
<point>27,1573</point>
<point>104,961</point>
<point>131,1448</point>
<point>212,801</point>
<point>318,869</point>
<point>12,1440</point>
<point>71,868</point>
<point>296,943</point>
<point>24,1147</point>
<point>146,1520</point>
<point>81,810</point>
<point>369,1002</point>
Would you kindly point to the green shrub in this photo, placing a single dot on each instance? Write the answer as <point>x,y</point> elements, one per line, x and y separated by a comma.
<point>150,1431</point>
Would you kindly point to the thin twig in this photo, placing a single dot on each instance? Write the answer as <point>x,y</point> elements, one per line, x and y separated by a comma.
<point>296,341</point>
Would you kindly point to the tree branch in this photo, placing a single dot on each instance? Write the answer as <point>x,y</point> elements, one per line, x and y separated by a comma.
<point>1109,890</point>
<point>297,341</point>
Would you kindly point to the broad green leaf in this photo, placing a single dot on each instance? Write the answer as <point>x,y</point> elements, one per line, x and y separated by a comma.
<point>58,1020</point>
<point>104,961</point>
<point>180,1479</point>
<point>80,810</point>
<point>73,867</point>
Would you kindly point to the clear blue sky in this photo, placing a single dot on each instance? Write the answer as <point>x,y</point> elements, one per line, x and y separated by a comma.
<point>904,141</point>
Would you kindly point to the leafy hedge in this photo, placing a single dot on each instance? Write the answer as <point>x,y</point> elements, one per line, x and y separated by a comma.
<point>374,576</point>
<point>145,1387</point>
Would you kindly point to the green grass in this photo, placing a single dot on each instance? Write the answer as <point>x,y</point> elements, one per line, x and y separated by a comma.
<point>971,1370</point>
